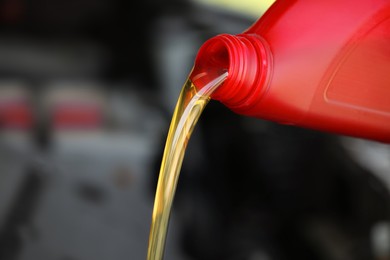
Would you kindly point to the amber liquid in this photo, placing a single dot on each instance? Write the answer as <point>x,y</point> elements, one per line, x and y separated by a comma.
<point>188,109</point>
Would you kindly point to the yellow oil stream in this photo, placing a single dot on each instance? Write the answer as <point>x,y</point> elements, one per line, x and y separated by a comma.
<point>188,109</point>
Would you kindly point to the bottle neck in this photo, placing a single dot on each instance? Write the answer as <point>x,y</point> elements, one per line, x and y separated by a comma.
<point>245,57</point>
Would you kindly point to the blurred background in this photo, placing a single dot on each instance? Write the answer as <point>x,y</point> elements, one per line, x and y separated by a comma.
<point>87,90</point>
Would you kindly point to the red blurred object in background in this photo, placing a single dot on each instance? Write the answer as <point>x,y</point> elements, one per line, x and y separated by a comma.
<point>15,114</point>
<point>77,116</point>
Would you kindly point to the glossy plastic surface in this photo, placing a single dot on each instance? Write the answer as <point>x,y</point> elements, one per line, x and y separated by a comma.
<point>318,64</point>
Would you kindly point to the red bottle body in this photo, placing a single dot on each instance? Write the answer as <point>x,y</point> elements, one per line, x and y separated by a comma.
<point>317,64</point>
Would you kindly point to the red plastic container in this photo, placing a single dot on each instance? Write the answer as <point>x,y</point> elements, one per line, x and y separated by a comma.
<point>317,64</point>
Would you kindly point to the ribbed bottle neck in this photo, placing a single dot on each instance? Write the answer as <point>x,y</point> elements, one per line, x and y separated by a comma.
<point>247,60</point>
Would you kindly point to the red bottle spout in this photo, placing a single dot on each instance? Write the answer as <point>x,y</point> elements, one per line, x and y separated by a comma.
<point>245,57</point>
<point>322,65</point>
